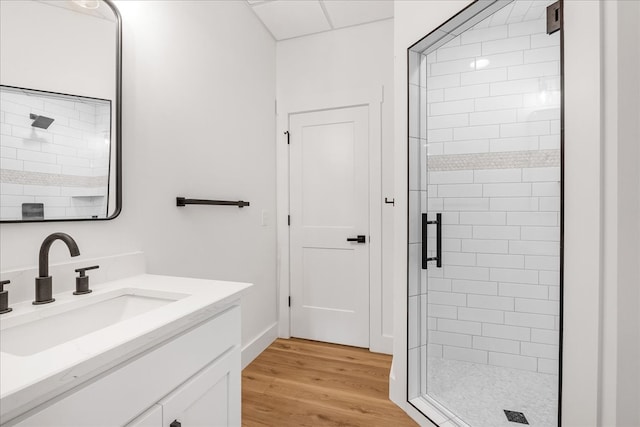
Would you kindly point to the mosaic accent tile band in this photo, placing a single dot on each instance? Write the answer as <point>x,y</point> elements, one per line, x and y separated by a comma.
<point>9,176</point>
<point>502,160</point>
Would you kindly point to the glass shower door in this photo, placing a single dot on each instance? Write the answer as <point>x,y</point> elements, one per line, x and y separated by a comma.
<point>484,287</point>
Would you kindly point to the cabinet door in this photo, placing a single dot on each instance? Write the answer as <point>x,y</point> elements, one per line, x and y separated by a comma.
<point>151,418</point>
<point>211,398</point>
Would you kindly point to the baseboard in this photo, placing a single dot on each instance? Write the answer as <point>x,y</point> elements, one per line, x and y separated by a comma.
<point>386,344</point>
<point>381,344</point>
<point>259,344</point>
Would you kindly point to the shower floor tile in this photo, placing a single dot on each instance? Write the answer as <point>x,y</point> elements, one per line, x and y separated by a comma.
<point>479,394</point>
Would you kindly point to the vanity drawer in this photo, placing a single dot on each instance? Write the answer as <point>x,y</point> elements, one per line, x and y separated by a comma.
<point>121,394</point>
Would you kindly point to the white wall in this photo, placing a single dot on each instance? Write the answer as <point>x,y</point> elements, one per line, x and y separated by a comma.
<point>585,192</point>
<point>198,121</point>
<point>346,61</point>
<point>199,93</point>
<point>19,243</point>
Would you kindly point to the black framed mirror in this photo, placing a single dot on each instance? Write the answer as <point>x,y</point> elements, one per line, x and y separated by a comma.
<point>60,110</point>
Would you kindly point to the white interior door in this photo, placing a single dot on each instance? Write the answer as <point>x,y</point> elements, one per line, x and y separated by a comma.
<point>329,191</point>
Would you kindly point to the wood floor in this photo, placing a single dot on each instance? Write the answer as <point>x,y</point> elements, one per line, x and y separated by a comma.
<point>296,382</point>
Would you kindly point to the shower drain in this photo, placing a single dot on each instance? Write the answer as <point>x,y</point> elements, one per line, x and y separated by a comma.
<point>516,417</point>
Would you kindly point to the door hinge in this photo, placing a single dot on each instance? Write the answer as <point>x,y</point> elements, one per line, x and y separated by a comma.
<point>288,219</point>
<point>286,132</point>
<point>554,21</point>
<point>289,301</point>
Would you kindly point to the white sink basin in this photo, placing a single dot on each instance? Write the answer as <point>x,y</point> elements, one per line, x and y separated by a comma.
<point>40,330</point>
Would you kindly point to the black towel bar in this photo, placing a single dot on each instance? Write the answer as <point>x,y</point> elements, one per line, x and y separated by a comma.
<point>181,201</point>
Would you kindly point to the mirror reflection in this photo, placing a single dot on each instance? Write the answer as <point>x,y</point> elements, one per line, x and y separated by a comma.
<point>59,110</point>
<point>55,163</point>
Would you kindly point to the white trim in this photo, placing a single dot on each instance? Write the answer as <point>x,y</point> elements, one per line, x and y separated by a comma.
<point>329,101</point>
<point>258,344</point>
<point>373,98</point>
<point>378,342</point>
<point>583,214</point>
<point>609,316</point>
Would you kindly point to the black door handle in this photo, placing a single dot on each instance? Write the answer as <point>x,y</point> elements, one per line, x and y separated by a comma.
<point>175,423</point>
<point>359,239</point>
<point>438,257</point>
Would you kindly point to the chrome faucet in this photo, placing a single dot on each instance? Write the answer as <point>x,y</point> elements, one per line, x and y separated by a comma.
<point>44,288</point>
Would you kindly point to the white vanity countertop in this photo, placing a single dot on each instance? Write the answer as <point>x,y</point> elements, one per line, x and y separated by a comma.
<point>26,381</point>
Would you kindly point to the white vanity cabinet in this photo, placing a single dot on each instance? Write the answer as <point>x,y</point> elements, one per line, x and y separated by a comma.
<point>191,379</point>
<point>151,418</point>
<point>204,400</point>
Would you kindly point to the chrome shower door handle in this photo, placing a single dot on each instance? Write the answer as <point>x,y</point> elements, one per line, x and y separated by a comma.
<point>425,236</point>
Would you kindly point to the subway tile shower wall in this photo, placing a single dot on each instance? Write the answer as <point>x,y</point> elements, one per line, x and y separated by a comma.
<point>484,150</point>
<point>65,167</point>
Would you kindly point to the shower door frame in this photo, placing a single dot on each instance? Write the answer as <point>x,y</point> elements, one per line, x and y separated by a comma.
<point>476,4</point>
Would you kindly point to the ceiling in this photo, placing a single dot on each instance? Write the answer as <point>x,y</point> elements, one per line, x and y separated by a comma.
<point>286,19</point>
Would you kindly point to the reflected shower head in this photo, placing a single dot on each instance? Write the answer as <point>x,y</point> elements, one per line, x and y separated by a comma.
<point>41,122</point>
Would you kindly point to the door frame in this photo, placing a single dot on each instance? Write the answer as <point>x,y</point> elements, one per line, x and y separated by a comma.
<point>372,98</point>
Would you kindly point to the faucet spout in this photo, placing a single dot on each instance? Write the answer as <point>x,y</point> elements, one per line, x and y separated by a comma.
<point>43,270</point>
<point>44,282</point>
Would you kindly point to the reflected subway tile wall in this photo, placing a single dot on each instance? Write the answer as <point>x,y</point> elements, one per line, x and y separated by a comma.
<point>65,166</point>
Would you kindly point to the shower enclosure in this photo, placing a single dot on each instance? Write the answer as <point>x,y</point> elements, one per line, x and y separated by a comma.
<point>485,216</point>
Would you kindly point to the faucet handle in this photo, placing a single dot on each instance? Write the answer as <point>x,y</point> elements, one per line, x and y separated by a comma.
<point>83,270</point>
<point>82,281</point>
<point>4,297</point>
